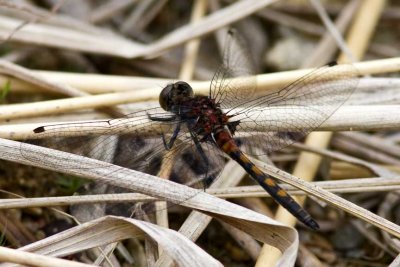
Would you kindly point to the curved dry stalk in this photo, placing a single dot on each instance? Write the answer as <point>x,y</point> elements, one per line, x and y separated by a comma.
<point>258,226</point>
<point>111,229</point>
<point>66,38</point>
<point>199,201</point>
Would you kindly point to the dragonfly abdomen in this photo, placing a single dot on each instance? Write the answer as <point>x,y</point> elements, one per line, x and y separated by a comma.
<point>228,145</point>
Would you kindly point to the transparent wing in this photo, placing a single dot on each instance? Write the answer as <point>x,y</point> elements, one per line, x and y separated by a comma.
<point>78,138</point>
<point>279,118</point>
<point>236,62</point>
<point>133,142</point>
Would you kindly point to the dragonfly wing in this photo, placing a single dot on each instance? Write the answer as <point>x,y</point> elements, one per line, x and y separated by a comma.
<point>133,141</point>
<point>95,139</point>
<point>279,118</point>
<point>189,164</point>
<point>237,62</point>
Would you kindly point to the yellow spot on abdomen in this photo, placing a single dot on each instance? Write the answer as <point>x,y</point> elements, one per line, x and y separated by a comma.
<point>226,147</point>
<point>282,193</point>
<point>269,182</point>
<point>256,170</point>
<point>243,158</point>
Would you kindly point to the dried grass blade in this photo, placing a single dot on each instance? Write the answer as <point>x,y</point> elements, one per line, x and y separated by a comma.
<point>111,229</point>
<point>333,199</point>
<point>258,226</point>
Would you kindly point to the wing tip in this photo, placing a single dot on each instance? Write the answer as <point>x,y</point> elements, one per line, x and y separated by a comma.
<point>39,129</point>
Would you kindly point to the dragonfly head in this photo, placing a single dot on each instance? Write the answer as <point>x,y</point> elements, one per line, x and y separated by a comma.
<point>175,94</point>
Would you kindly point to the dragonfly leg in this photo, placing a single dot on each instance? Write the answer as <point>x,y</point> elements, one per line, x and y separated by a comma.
<point>154,118</point>
<point>202,155</point>
<point>232,126</point>
<point>171,141</point>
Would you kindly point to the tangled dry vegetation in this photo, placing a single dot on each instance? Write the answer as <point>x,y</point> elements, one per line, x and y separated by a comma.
<point>96,61</point>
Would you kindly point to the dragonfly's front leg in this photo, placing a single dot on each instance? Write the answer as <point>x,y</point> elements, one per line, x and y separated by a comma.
<point>154,118</point>
<point>171,142</point>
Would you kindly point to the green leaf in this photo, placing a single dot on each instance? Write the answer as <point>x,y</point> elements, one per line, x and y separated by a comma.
<point>5,90</point>
<point>69,184</point>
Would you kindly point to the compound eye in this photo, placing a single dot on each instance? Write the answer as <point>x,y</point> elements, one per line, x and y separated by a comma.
<point>174,95</point>
<point>165,97</point>
<point>184,89</point>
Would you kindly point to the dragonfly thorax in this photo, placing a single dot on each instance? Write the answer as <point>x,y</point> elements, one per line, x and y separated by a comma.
<point>208,114</point>
<point>175,94</point>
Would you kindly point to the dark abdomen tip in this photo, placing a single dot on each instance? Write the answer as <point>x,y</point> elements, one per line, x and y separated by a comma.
<point>312,224</point>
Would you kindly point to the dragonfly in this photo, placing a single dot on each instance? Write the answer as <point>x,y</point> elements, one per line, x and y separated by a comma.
<point>233,119</point>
